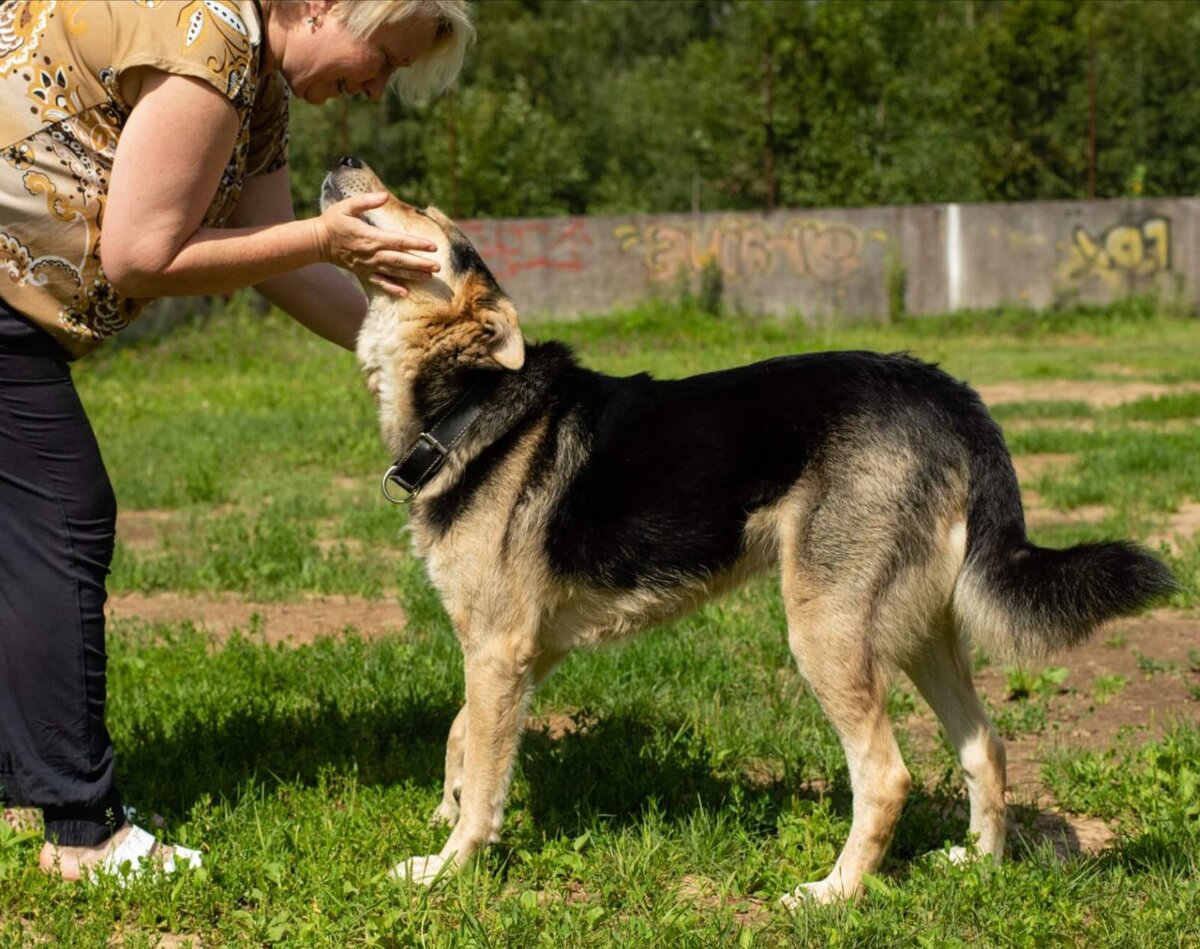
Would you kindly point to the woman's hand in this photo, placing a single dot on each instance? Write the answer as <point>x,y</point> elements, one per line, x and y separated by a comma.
<point>372,254</point>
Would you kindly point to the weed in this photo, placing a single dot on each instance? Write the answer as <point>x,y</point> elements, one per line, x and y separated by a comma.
<point>1150,666</point>
<point>1105,687</point>
<point>1019,717</point>
<point>1022,683</point>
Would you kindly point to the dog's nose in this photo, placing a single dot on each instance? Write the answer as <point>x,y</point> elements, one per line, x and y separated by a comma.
<point>349,161</point>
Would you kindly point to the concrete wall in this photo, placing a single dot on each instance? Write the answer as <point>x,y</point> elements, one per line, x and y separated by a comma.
<point>840,264</point>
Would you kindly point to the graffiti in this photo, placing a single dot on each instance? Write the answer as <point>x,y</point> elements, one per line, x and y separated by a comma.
<point>1120,254</point>
<point>747,248</point>
<point>511,247</point>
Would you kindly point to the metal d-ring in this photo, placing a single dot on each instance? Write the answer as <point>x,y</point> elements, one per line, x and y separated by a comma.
<point>388,477</point>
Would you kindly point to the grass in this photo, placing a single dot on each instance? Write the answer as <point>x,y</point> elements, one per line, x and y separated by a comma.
<point>699,780</point>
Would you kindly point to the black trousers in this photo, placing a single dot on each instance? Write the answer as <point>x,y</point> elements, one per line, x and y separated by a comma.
<point>57,521</point>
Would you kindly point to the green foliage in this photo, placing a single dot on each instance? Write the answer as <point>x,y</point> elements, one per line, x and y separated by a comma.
<point>1156,785</point>
<point>678,105</point>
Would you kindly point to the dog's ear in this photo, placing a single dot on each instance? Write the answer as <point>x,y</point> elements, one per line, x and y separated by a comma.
<point>508,345</point>
<point>481,303</point>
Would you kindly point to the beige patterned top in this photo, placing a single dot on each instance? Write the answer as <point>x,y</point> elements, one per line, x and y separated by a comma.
<point>61,115</point>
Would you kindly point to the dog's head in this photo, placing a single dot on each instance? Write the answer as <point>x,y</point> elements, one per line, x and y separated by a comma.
<point>461,315</point>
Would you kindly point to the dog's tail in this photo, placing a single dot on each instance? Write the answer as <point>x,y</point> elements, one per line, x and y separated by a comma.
<point>1023,601</point>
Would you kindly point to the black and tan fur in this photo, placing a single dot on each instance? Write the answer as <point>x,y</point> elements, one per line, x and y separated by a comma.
<point>581,508</point>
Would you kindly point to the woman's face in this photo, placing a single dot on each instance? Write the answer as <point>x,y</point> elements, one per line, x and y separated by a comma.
<point>330,60</point>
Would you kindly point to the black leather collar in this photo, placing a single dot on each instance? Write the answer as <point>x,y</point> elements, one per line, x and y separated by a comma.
<point>425,457</point>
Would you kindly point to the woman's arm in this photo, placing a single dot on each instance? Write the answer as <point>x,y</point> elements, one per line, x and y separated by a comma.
<point>319,296</point>
<point>168,163</point>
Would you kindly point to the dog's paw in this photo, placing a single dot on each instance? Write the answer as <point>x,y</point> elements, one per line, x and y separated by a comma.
<point>445,815</point>
<point>423,870</point>
<point>819,893</point>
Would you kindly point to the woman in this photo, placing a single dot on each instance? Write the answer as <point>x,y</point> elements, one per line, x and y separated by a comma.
<point>160,125</point>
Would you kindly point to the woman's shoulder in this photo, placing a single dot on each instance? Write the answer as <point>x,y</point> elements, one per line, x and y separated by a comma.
<point>213,40</point>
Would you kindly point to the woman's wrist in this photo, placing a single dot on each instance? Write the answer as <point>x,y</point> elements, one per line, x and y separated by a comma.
<point>322,246</point>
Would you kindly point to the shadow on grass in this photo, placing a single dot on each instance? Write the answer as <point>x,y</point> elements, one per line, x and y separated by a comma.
<point>621,766</point>
<point>201,758</point>
<point>613,770</point>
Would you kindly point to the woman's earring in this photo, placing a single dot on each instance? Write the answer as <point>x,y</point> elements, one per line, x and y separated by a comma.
<point>312,23</point>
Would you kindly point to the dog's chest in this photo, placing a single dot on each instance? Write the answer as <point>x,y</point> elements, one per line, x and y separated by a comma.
<point>381,353</point>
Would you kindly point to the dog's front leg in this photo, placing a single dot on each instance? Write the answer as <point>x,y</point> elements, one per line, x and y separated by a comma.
<point>499,683</point>
<point>447,811</point>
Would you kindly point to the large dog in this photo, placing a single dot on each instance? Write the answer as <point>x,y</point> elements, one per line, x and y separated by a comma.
<point>558,507</point>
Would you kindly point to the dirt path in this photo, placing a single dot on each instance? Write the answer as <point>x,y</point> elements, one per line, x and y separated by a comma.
<point>1098,393</point>
<point>1158,656</point>
<point>294,623</point>
<point>1127,685</point>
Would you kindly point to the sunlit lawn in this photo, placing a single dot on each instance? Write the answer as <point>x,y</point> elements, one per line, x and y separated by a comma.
<point>699,780</point>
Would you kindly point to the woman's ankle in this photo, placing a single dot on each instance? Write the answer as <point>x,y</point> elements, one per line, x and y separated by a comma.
<point>70,862</point>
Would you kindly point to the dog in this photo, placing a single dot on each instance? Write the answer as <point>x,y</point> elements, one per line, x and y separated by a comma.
<point>556,507</point>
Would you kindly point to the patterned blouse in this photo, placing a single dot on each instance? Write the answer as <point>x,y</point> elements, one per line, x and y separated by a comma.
<point>61,115</point>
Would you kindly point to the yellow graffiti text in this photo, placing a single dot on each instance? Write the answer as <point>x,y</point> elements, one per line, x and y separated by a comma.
<point>1120,254</point>
<point>747,248</point>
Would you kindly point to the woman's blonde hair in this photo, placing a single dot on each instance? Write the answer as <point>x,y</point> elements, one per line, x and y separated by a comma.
<point>434,71</point>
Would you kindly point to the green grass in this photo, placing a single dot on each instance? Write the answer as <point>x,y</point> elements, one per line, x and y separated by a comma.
<point>701,782</point>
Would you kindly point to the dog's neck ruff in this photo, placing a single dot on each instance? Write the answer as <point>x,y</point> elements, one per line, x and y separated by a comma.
<point>425,457</point>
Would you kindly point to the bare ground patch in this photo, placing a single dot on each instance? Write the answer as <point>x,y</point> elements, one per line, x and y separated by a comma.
<point>158,940</point>
<point>1169,425</point>
<point>144,530</point>
<point>706,894</point>
<point>1182,527</point>
<point>23,819</point>
<point>1120,369</point>
<point>1129,683</point>
<point>1037,515</point>
<point>1062,424</point>
<point>1098,393</point>
<point>294,623</point>
<point>558,725</point>
<point>1029,469</point>
<point>1068,834</point>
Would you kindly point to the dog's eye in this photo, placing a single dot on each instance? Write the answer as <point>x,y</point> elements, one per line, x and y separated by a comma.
<point>490,329</point>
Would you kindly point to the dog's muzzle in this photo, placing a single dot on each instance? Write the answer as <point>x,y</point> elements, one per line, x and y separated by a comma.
<point>348,178</point>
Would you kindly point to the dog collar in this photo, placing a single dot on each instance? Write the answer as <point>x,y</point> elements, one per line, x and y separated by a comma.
<point>425,457</point>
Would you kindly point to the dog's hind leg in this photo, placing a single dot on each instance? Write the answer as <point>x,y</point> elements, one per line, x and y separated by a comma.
<point>942,673</point>
<point>447,811</point>
<point>829,642</point>
<point>500,680</point>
